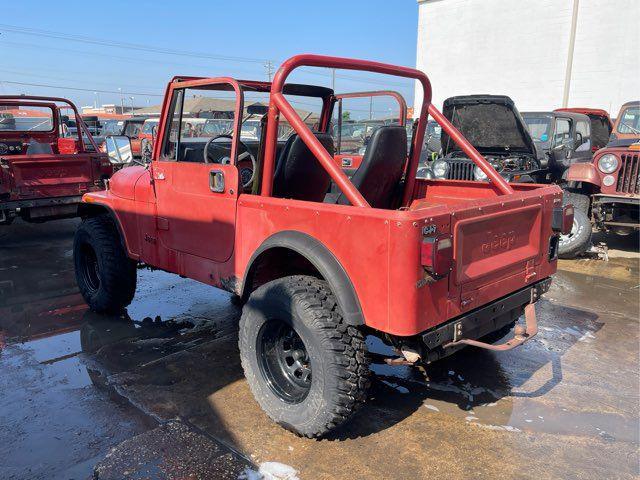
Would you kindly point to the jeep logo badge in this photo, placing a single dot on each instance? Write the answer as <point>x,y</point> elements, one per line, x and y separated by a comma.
<point>500,241</point>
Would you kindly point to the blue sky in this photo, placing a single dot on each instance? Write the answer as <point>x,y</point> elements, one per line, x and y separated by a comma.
<point>65,46</point>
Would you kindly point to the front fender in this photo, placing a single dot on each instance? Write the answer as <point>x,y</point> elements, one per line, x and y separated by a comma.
<point>324,261</point>
<point>583,172</point>
<point>97,203</point>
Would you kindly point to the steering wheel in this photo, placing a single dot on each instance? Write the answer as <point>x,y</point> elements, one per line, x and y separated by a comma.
<point>246,174</point>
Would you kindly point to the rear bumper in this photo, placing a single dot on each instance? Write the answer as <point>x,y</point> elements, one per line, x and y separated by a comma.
<point>447,338</point>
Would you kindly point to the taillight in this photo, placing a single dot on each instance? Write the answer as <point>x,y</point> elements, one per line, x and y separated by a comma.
<point>436,254</point>
<point>562,219</point>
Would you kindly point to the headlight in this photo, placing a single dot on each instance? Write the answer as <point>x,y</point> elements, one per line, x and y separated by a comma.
<point>440,169</point>
<point>362,150</point>
<point>479,175</point>
<point>424,173</point>
<point>608,163</point>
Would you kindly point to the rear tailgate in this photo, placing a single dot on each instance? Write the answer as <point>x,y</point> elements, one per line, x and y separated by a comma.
<point>38,176</point>
<point>501,245</point>
<point>496,244</point>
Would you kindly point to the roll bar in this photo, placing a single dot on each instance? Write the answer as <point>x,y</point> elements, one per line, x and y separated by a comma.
<point>278,104</point>
<point>79,120</point>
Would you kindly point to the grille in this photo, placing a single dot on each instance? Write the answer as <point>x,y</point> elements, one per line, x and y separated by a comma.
<point>628,178</point>
<point>461,170</point>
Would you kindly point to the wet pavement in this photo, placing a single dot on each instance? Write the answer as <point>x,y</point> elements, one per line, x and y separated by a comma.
<point>159,392</point>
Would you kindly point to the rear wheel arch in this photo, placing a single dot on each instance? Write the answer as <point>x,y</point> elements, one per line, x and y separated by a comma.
<point>307,256</point>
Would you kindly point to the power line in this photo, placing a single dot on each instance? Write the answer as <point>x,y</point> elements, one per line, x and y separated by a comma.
<point>80,89</point>
<point>148,48</point>
<point>53,77</point>
<point>128,46</point>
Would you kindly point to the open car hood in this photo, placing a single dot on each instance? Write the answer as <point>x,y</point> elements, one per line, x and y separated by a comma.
<point>490,122</point>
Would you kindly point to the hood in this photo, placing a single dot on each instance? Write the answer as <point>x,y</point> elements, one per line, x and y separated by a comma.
<point>490,122</point>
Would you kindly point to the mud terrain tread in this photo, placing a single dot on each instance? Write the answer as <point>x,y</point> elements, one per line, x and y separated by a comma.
<point>578,200</point>
<point>118,271</point>
<point>345,345</point>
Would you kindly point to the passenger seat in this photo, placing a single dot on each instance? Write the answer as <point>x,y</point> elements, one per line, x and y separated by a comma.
<point>381,169</point>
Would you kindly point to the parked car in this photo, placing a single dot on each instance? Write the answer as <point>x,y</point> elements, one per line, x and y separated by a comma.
<point>601,125</point>
<point>562,138</point>
<point>427,266</point>
<point>43,171</point>
<point>495,128</point>
<point>606,191</point>
<point>627,124</point>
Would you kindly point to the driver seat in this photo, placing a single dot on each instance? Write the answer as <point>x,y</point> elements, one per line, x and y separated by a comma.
<point>298,174</point>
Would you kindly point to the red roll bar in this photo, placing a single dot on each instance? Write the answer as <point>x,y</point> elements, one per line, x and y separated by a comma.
<point>79,120</point>
<point>402,104</point>
<point>278,104</point>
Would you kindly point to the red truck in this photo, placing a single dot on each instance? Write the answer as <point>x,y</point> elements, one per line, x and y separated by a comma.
<point>429,266</point>
<point>606,191</point>
<point>43,170</point>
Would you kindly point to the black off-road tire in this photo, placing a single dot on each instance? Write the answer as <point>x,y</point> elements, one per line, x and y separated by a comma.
<point>578,200</point>
<point>336,352</point>
<point>579,240</point>
<point>106,276</point>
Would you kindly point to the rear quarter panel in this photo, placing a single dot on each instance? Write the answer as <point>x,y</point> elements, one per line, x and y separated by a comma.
<point>380,250</point>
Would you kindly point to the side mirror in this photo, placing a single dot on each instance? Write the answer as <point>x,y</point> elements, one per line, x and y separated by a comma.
<point>119,149</point>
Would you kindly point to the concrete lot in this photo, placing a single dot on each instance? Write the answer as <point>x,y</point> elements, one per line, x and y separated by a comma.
<point>159,393</point>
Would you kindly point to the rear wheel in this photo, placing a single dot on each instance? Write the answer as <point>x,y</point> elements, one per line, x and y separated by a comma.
<point>106,276</point>
<point>306,368</point>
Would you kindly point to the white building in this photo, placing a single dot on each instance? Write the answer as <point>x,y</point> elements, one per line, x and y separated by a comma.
<point>544,54</point>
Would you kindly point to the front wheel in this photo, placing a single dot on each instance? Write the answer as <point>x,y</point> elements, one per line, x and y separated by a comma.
<point>106,276</point>
<point>578,240</point>
<point>306,368</point>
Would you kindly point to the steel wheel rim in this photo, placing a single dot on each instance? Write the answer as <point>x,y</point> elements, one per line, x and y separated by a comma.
<point>284,361</point>
<point>90,268</point>
<point>570,235</point>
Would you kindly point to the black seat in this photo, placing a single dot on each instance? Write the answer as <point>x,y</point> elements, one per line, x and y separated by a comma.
<point>382,166</point>
<point>298,173</point>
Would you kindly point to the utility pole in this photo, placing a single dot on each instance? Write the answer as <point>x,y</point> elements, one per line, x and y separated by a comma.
<point>131,98</point>
<point>269,66</point>
<point>121,101</point>
<point>370,108</point>
<point>333,79</point>
<point>572,42</point>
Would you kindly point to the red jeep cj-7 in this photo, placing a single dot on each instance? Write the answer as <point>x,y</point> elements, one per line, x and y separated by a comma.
<point>429,266</point>
<point>43,170</point>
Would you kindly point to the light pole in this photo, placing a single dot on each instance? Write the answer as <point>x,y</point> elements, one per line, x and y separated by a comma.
<point>131,98</point>
<point>95,100</point>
